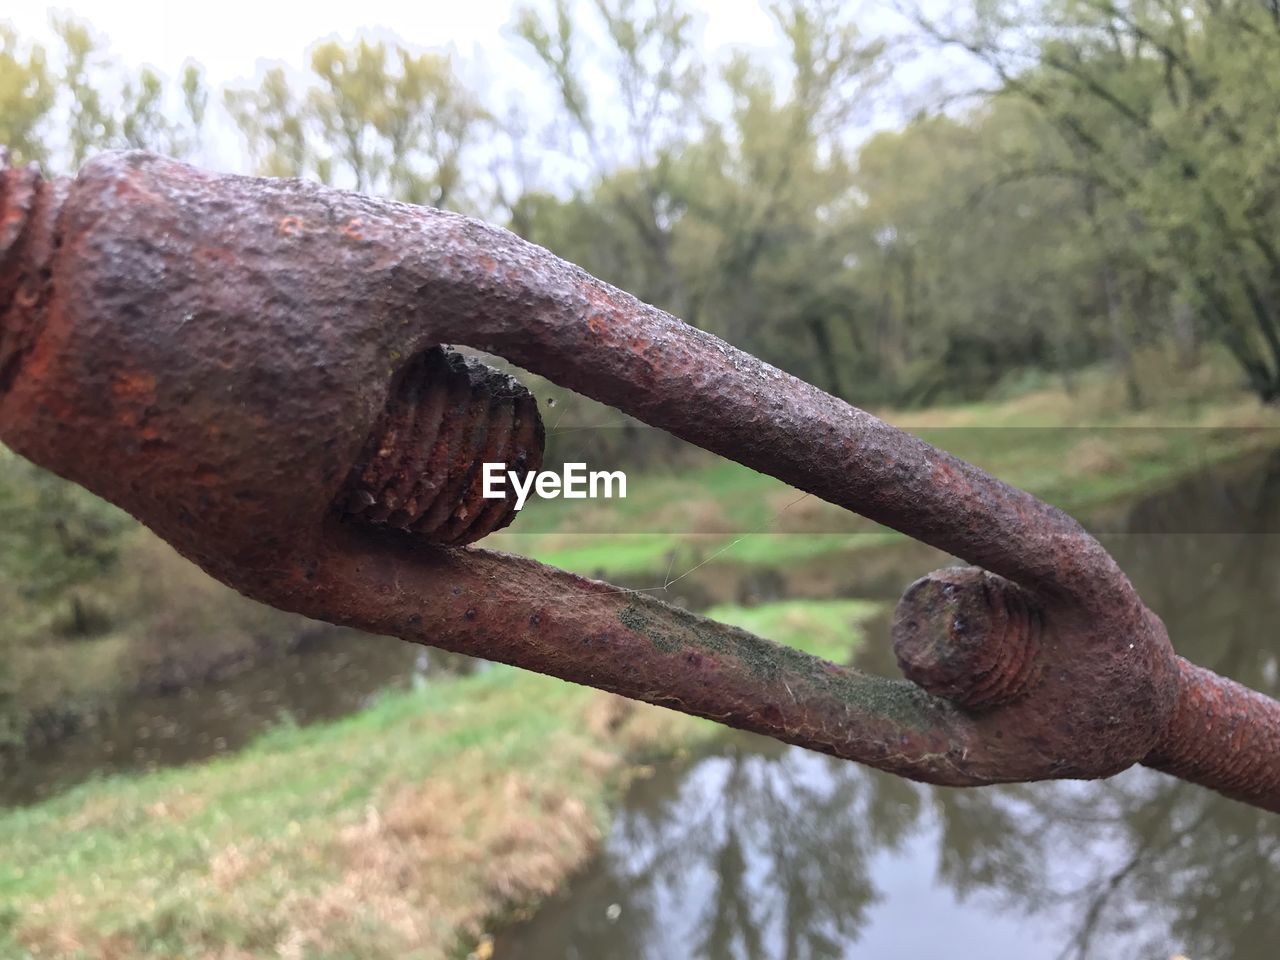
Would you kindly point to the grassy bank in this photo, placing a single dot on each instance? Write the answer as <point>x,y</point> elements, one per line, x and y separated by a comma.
<point>399,832</point>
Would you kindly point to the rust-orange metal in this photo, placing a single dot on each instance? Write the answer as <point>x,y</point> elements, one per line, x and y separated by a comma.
<point>252,368</point>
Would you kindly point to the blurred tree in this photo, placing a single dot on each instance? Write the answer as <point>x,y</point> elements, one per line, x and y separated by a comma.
<point>633,196</point>
<point>54,538</point>
<point>92,125</point>
<point>113,107</point>
<point>381,118</point>
<point>271,121</point>
<point>144,123</point>
<point>195,98</point>
<point>771,201</point>
<point>28,93</point>
<point>1169,109</point>
<point>984,251</point>
<point>1118,190</point>
<point>735,224</point>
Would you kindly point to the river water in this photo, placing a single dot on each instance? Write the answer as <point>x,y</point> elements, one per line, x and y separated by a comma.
<point>761,850</point>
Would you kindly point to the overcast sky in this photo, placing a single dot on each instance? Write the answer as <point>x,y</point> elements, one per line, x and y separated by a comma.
<point>235,40</point>
<point>229,37</point>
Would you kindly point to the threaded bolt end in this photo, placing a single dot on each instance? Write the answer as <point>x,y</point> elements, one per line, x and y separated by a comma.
<point>422,471</point>
<point>969,636</point>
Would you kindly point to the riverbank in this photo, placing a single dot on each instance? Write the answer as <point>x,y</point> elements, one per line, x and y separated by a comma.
<point>401,831</point>
<point>160,626</point>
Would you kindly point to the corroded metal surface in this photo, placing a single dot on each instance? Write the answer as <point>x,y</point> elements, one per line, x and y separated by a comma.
<point>1222,735</point>
<point>228,358</point>
<point>969,636</point>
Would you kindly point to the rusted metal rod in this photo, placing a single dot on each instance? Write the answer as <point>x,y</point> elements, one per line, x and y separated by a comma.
<point>251,368</point>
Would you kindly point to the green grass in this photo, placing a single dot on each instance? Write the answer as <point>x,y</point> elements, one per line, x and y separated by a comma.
<point>396,832</point>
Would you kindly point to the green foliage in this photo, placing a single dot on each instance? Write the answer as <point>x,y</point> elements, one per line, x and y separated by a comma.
<point>54,538</point>
<point>95,102</point>
<point>976,262</point>
<point>1164,110</point>
<point>28,92</point>
<point>1116,190</point>
<point>736,223</point>
<point>92,124</point>
<point>381,118</point>
<point>272,124</point>
<point>114,107</point>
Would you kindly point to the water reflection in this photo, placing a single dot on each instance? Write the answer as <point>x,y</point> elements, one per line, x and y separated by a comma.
<point>767,851</point>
